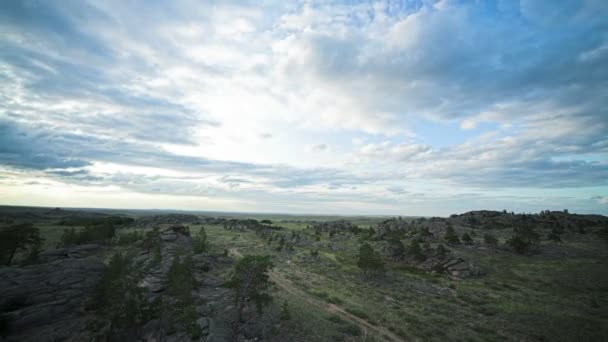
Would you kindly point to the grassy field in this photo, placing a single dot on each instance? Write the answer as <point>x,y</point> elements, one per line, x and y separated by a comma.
<point>558,294</point>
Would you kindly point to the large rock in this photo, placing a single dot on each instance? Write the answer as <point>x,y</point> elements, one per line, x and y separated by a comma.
<point>450,264</point>
<point>171,241</point>
<point>45,302</point>
<point>76,252</point>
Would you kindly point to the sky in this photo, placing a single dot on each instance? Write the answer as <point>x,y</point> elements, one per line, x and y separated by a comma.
<point>355,108</point>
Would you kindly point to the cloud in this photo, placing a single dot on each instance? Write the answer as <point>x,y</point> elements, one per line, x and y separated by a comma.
<point>212,99</point>
<point>601,199</point>
<point>319,147</point>
<point>388,151</point>
<point>24,148</point>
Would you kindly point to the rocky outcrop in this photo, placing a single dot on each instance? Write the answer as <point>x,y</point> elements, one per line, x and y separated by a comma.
<point>451,265</point>
<point>212,300</point>
<point>76,252</point>
<point>483,219</point>
<point>46,302</point>
<point>169,241</point>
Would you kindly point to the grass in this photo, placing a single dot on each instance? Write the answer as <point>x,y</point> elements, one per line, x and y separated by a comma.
<point>51,234</point>
<point>557,297</point>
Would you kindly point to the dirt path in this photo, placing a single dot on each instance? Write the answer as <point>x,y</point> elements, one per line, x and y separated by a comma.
<point>288,286</point>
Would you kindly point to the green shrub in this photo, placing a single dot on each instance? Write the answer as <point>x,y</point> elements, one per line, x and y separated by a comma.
<point>71,236</point>
<point>415,250</point>
<point>334,299</point>
<point>180,281</point>
<point>451,237</point>
<point>118,297</point>
<point>319,293</point>
<point>358,312</point>
<point>199,242</point>
<point>524,239</point>
<point>285,314</point>
<point>350,329</point>
<point>180,285</point>
<point>336,319</point>
<point>128,238</point>
<point>369,260</point>
<point>96,221</point>
<point>490,240</point>
<point>189,317</point>
<point>19,238</point>
<point>467,239</point>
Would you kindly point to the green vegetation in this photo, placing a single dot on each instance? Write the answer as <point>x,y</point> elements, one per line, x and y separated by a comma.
<point>395,248</point>
<point>451,237</point>
<point>524,239</point>
<point>98,233</point>
<point>180,285</point>
<point>19,238</point>
<point>96,221</point>
<point>118,298</point>
<point>285,313</point>
<point>127,238</point>
<point>251,282</point>
<point>490,240</point>
<point>557,293</point>
<point>467,239</point>
<point>556,234</point>
<point>199,242</point>
<point>369,261</point>
<point>415,250</point>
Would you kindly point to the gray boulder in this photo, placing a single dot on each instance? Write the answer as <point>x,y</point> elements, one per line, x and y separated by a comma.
<point>46,302</point>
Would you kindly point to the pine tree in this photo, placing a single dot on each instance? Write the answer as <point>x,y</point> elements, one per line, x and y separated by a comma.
<point>250,282</point>
<point>466,238</point>
<point>490,240</point>
<point>200,243</point>
<point>441,251</point>
<point>281,243</point>
<point>415,250</point>
<point>524,239</point>
<point>285,313</point>
<point>556,234</point>
<point>451,237</point>
<point>369,260</point>
<point>19,238</point>
<point>396,248</point>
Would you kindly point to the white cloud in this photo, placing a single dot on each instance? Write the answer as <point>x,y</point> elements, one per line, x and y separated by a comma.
<point>241,91</point>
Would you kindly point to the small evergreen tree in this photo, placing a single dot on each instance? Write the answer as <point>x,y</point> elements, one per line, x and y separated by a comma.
<point>490,240</point>
<point>556,234</point>
<point>415,250</point>
<point>250,281</point>
<point>285,313</point>
<point>281,243</point>
<point>369,260</point>
<point>199,242</point>
<point>69,237</point>
<point>180,285</point>
<point>466,238</point>
<point>524,239</point>
<point>117,296</point>
<point>441,251</point>
<point>314,253</point>
<point>451,237</point>
<point>19,238</point>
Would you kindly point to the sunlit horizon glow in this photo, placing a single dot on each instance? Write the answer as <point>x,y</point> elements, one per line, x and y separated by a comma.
<point>354,108</point>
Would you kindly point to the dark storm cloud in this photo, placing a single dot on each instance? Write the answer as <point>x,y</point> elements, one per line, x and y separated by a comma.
<point>24,148</point>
